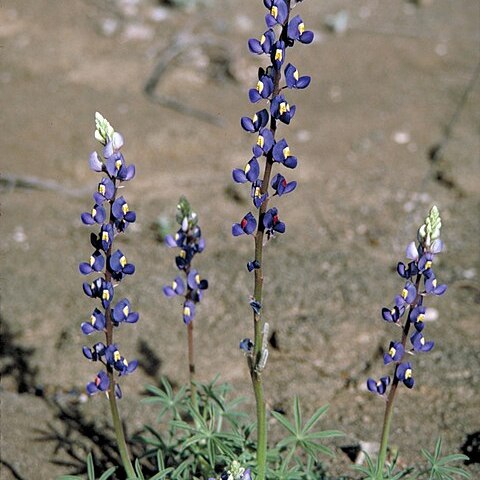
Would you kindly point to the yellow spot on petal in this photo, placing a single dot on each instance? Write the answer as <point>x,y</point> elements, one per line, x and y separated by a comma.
<point>93,319</point>
<point>174,284</point>
<point>125,362</point>
<point>421,318</point>
<point>183,254</point>
<point>408,373</point>
<point>116,356</point>
<point>92,260</point>
<point>106,295</point>
<point>392,352</point>
<point>286,151</point>
<point>404,293</point>
<point>260,141</point>
<point>197,278</point>
<point>255,118</point>
<point>118,164</point>
<point>186,311</point>
<point>125,208</point>
<point>434,283</point>
<point>278,54</point>
<point>262,40</point>
<point>295,74</point>
<point>428,264</point>
<point>284,107</point>
<point>258,193</point>
<point>126,310</point>
<point>259,86</point>
<point>274,11</point>
<point>301,28</point>
<point>94,212</point>
<point>123,261</point>
<point>105,236</point>
<point>101,189</point>
<point>422,341</point>
<point>247,168</point>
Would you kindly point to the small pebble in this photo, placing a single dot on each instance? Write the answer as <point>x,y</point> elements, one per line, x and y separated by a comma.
<point>138,31</point>
<point>431,314</point>
<point>401,137</point>
<point>19,235</point>
<point>470,273</point>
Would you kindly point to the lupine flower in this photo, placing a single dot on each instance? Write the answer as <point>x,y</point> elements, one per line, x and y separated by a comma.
<point>278,54</point>
<point>247,225</point>
<point>264,45</point>
<point>278,12</point>
<point>114,265</point>
<point>272,223</point>
<point>122,312</point>
<point>394,354</point>
<point>378,387</point>
<point>263,89</point>
<point>100,384</point>
<point>188,311</point>
<point>96,264</point>
<point>249,173</point>
<point>253,265</point>
<point>294,80</point>
<point>257,195</point>
<point>96,323</point>
<point>419,343</point>
<point>265,142</point>
<point>420,267</point>
<point>281,153</point>
<point>417,316</point>
<point>281,186</point>
<point>296,31</point>
<point>190,241</point>
<point>404,374</point>
<point>96,215</point>
<point>281,109</point>
<point>258,121</point>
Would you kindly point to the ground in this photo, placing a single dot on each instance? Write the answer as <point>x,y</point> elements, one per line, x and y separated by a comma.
<point>401,79</point>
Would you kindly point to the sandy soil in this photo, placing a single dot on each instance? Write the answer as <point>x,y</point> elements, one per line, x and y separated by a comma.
<point>382,94</point>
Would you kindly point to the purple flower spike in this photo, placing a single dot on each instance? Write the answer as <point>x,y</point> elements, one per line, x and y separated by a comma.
<point>122,313</point>
<point>254,124</point>
<point>272,223</point>
<point>249,173</point>
<point>265,142</point>
<point>281,109</point>
<point>247,225</point>
<point>176,288</point>
<point>294,80</point>
<point>96,263</point>
<point>97,215</point>
<point>379,387</point>
<point>280,185</point>
<point>188,311</point>
<point>404,374</point>
<point>419,343</point>
<point>96,323</point>
<point>281,153</point>
<point>394,354</point>
<point>100,384</point>
<point>264,45</point>
<point>296,31</point>
<point>278,12</point>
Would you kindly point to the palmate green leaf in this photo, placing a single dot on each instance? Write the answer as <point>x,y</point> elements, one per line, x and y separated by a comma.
<point>440,468</point>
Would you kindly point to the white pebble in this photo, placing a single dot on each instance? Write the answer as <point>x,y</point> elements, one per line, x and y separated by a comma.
<point>401,138</point>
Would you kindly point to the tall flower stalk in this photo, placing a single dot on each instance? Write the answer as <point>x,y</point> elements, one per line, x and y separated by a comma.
<point>112,214</point>
<point>420,282</point>
<point>190,242</point>
<point>282,32</point>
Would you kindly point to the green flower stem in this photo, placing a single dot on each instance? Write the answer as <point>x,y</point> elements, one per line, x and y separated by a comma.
<point>191,366</point>
<point>387,419</point>
<point>117,425</point>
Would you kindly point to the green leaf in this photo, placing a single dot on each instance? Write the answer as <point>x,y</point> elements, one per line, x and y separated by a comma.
<point>90,467</point>
<point>108,473</point>
<point>297,414</point>
<point>284,421</point>
<point>69,477</point>
<point>138,469</point>
<point>315,418</point>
